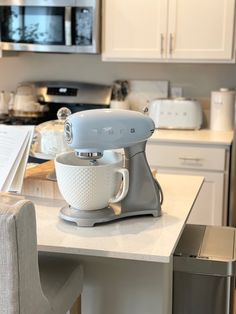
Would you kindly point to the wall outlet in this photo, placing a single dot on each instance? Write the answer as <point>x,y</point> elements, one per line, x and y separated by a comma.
<point>176,92</point>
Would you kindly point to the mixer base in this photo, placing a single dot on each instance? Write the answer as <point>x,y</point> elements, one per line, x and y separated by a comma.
<point>88,218</point>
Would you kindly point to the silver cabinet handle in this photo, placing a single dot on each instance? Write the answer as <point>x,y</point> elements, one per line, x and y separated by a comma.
<point>171,43</point>
<point>162,44</point>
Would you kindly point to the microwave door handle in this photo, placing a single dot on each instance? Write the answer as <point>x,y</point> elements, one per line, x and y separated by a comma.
<point>68,26</point>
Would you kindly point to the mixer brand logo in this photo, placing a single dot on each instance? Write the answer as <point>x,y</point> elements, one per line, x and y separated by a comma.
<point>68,132</point>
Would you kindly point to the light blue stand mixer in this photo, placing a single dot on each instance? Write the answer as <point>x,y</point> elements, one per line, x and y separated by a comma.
<point>91,132</point>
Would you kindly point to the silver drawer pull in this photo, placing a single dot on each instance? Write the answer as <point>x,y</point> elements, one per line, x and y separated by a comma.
<point>193,159</point>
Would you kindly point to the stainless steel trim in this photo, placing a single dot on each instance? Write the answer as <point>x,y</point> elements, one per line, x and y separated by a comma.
<point>68,35</point>
<point>85,3</point>
<point>88,155</point>
<point>229,299</point>
<point>86,93</point>
<point>96,24</point>
<point>47,48</point>
<point>45,3</point>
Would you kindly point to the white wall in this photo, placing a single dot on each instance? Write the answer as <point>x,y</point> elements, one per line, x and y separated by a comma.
<point>197,80</point>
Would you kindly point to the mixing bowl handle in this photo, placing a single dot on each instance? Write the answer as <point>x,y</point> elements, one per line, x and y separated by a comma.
<point>125,186</point>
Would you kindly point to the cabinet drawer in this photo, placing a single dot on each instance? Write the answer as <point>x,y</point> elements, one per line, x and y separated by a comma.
<point>186,157</point>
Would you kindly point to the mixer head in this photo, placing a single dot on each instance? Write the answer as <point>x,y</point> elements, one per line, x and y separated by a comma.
<point>91,132</point>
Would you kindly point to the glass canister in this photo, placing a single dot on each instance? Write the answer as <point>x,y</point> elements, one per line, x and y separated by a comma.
<point>49,136</point>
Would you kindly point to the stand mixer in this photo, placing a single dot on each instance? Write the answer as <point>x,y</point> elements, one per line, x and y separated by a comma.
<point>91,132</point>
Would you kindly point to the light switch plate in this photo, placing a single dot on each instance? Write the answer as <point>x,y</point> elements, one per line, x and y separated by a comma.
<point>176,92</point>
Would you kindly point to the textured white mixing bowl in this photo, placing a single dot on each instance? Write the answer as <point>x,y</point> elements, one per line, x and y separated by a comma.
<point>89,187</point>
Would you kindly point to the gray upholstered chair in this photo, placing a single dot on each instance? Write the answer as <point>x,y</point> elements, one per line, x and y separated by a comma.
<point>31,283</point>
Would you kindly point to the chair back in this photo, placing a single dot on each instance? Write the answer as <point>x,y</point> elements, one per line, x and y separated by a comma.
<point>20,287</point>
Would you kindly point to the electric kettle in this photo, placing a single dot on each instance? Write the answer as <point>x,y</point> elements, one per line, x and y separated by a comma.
<point>25,102</point>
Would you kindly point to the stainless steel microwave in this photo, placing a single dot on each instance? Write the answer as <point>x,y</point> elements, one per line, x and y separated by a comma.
<point>71,26</point>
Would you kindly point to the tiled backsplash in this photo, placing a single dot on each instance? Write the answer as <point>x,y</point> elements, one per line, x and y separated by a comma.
<point>143,91</point>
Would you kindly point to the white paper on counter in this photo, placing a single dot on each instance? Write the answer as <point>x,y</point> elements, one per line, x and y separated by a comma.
<point>15,144</point>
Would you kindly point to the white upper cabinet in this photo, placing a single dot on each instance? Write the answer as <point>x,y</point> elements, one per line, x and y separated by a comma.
<point>168,30</point>
<point>201,29</point>
<point>134,29</point>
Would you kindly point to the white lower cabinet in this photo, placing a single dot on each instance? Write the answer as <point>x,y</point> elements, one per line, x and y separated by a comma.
<point>212,163</point>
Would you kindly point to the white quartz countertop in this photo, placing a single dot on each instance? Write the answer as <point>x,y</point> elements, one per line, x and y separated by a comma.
<point>143,238</point>
<point>202,136</point>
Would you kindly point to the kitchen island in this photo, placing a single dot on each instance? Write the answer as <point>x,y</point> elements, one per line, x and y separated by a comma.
<point>127,263</point>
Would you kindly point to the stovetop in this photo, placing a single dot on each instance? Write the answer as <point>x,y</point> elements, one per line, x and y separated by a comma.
<point>11,120</point>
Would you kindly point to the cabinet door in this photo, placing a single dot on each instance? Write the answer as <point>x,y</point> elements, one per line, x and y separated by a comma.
<point>134,30</point>
<point>201,29</point>
<point>208,208</point>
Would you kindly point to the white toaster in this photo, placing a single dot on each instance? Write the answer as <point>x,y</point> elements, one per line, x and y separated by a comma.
<point>176,113</point>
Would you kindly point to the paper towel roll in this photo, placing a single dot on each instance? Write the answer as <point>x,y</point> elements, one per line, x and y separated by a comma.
<point>222,110</point>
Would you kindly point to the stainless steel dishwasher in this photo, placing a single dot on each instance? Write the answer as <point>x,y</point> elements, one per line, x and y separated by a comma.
<point>204,270</point>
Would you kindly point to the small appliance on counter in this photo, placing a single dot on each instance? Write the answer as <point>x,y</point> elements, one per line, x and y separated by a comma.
<point>3,105</point>
<point>91,172</point>
<point>25,103</point>
<point>222,110</point>
<point>179,113</point>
